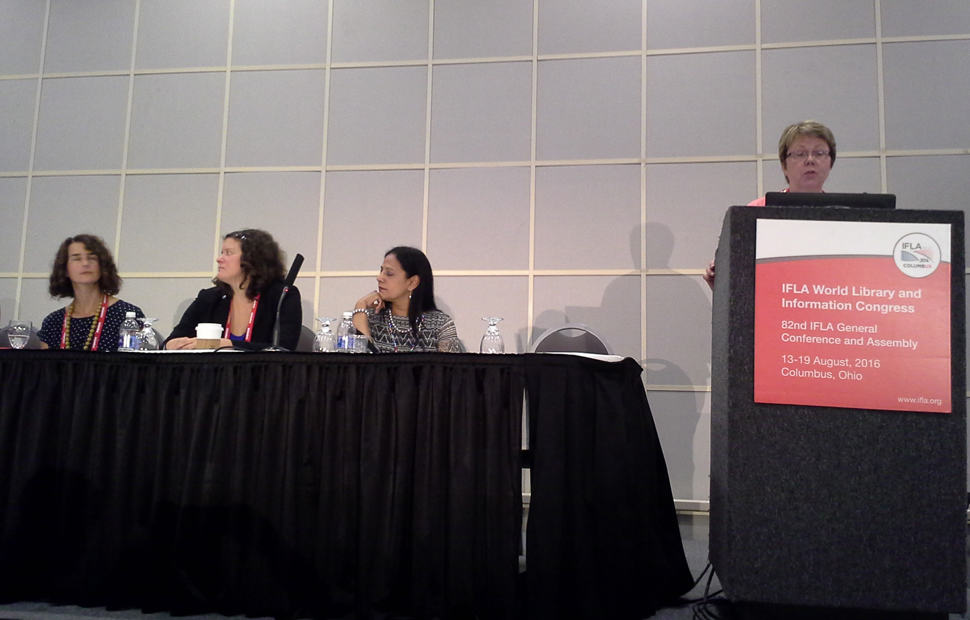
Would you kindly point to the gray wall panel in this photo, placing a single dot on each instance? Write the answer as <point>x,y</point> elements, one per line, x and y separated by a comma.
<point>21,33</point>
<point>588,108</point>
<point>355,202</point>
<point>837,85</point>
<point>177,132</point>
<point>910,18</point>
<point>793,20</point>
<point>699,23</point>
<point>36,303</point>
<point>588,215</point>
<point>12,193</point>
<point>182,33</point>
<point>276,118</point>
<point>82,123</point>
<point>481,112</point>
<point>62,207</point>
<point>264,35</point>
<point>171,210</point>
<point>921,103</point>
<point>682,221</point>
<point>470,299</point>
<point>8,299</point>
<point>470,28</point>
<point>716,105</point>
<point>17,100</point>
<point>572,26</point>
<point>479,218</point>
<point>285,203</point>
<point>380,30</point>
<point>89,36</point>
<point>377,116</point>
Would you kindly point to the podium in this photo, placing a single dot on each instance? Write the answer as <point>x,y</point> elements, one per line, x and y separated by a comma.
<point>827,506</point>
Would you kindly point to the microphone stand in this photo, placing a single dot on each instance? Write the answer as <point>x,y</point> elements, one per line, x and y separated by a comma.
<point>290,278</point>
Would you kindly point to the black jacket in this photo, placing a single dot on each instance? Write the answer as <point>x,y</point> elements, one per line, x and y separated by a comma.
<point>212,306</point>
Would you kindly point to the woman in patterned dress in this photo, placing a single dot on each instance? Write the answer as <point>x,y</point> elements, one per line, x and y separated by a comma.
<point>401,315</point>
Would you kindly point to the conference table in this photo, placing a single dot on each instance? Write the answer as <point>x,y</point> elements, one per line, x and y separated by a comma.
<point>334,485</point>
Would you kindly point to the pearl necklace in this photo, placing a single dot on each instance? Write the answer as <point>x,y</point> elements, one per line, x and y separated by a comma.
<point>392,328</point>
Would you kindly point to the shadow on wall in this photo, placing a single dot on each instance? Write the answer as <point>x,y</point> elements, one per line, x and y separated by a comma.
<point>676,425</point>
<point>686,299</point>
<point>616,307</point>
<point>682,302</point>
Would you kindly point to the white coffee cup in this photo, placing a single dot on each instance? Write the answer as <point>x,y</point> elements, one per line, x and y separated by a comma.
<point>207,335</point>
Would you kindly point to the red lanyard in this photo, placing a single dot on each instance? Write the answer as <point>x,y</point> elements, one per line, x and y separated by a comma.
<point>97,331</point>
<point>252,319</point>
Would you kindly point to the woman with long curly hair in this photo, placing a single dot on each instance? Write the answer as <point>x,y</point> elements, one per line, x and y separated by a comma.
<point>248,285</point>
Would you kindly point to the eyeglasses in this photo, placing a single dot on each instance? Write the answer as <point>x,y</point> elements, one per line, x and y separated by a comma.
<point>236,235</point>
<point>800,155</point>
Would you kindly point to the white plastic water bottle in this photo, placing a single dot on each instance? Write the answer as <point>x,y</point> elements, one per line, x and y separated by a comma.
<point>345,333</point>
<point>128,333</point>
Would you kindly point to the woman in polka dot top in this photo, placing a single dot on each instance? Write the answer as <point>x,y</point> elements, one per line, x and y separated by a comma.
<point>85,271</point>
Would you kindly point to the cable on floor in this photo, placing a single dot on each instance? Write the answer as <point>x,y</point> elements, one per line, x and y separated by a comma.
<point>711,606</point>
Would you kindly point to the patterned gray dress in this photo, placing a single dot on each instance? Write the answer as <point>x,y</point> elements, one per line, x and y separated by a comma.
<point>392,334</point>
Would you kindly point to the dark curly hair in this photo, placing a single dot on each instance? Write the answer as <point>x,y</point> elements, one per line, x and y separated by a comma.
<point>261,261</point>
<point>60,283</point>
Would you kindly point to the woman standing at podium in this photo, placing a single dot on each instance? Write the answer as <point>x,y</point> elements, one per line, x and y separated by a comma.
<point>401,314</point>
<point>85,271</point>
<point>248,285</point>
<point>806,151</point>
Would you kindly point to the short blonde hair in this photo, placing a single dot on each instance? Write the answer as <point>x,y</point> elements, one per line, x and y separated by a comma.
<point>805,128</point>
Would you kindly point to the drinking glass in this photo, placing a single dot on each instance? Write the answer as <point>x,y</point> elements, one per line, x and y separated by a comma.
<point>324,342</point>
<point>147,341</point>
<point>18,333</point>
<point>492,340</point>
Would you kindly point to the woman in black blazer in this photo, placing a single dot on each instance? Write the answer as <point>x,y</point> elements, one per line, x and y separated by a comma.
<point>247,289</point>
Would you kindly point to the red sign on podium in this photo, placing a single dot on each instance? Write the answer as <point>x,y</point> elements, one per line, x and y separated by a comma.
<point>853,314</point>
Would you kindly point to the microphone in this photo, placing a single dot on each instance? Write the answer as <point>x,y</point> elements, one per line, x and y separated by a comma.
<point>287,283</point>
<point>291,274</point>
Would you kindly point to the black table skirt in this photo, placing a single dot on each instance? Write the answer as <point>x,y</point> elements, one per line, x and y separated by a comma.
<point>332,485</point>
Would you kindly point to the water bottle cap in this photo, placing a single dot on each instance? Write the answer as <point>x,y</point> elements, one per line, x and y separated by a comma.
<point>348,315</point>
<point>129,315</point>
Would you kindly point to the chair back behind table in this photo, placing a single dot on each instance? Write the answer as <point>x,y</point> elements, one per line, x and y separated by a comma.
<point>570,338</point>
<point>305,343</point>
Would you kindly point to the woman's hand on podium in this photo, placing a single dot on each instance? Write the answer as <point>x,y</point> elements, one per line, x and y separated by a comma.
<point>709,275</point>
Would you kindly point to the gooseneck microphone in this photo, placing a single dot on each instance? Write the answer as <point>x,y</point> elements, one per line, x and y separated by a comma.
<point>290,279</point>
